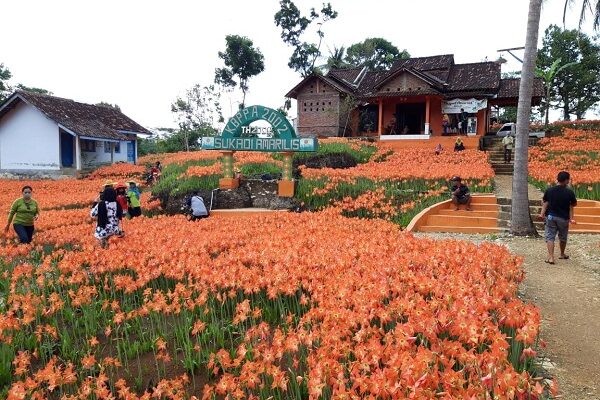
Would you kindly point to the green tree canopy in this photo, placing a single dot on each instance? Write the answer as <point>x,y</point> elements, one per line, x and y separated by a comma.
<point>575,88</point>
<point>293,27</point>
<point>242,61</point>
<point>105,104</point>
<point>374,53</point>
<point>34,89</point>
<point>5,75</point>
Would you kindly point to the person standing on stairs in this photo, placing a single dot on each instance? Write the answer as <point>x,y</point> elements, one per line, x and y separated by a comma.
<point>557,209</point>
<point>460,194</point>
<point>508,141</point>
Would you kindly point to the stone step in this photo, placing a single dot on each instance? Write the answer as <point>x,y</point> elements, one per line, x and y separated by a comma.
<point>460,229</point>
<point>242,212</point>
<point>464,213</point>
<point>461,220</point>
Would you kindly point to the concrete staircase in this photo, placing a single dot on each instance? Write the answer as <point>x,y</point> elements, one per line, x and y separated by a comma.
<point>496,156</point>
<point>441,217</point>
<point>587,215</point>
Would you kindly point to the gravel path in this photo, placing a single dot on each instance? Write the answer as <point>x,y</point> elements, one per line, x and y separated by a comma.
<point>503,188</point>
<point>568,295</point>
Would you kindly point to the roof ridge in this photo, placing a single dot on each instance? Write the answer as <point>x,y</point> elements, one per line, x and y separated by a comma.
<point>26,92</point>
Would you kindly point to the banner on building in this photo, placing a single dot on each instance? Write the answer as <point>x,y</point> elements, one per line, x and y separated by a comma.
<point>469,105</point>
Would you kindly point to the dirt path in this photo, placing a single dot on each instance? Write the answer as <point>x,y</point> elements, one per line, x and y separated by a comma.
<point>568,295</point>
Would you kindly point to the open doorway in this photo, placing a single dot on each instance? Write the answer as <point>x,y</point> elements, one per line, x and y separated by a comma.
<point>410,118</point>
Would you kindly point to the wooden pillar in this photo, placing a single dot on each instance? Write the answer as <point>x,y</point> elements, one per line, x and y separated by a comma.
<point>112,153</point>
<point>228,181</point>
<point>380,121</point>
<point>77,153</point>
<point>427,110</point>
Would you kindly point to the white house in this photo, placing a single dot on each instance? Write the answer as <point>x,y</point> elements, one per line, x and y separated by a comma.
<point>46,133</point>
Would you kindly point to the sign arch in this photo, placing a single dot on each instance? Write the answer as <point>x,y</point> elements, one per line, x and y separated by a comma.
<point>281,126</point>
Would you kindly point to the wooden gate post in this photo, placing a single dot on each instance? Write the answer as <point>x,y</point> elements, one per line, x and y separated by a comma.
<point>228,181</point>
<point>286,184</point>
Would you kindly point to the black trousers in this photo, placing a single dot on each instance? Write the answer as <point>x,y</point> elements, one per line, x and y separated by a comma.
<point>25,233</point>
<point>507,155</point>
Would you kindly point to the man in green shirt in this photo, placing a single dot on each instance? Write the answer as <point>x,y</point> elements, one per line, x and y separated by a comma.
<point>23,212</point>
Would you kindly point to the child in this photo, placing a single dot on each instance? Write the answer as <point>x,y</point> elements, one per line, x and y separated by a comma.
<point>122,197</point>
<point>133,197</point>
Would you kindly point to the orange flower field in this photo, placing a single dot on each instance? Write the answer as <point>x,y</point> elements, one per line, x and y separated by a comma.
<point>577,151</point>
<point>328,310</point>
<point>314,305</point>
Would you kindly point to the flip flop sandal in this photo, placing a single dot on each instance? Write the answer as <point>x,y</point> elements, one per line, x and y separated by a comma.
<point>563,258</point>
<point>549,262</point>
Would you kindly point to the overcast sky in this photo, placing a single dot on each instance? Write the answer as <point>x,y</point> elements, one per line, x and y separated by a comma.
<point>141,54</point>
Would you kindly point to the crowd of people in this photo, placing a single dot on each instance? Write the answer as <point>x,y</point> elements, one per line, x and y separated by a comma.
<point>116,201</point>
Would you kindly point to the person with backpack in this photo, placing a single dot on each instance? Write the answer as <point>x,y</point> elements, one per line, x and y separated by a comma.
<point>197,207</point>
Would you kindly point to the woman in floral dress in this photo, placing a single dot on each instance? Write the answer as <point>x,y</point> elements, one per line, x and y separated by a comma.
<point>109,214</point>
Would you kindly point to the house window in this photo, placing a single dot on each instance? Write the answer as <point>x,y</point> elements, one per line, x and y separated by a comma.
<point>118,147</point>
<point>89,146</point>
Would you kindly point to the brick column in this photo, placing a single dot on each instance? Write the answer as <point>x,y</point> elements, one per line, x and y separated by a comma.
<point>286,185</point>
<point>228,181</point>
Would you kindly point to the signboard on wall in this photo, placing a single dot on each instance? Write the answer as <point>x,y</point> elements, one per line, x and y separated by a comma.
<point>469,105</point>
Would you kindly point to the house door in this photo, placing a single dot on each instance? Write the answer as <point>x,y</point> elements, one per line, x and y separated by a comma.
<point>410,118</point>
<point>66,150</point>
<point>131,151</point>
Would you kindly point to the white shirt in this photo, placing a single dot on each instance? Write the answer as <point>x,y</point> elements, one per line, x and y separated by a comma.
<point>508,142</point>
<point>198,207</point>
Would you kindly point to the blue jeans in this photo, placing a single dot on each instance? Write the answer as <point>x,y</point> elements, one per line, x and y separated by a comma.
<point>25,233</point>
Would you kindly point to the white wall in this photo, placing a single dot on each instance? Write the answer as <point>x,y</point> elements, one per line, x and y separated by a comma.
<point>28,140</point>
<point>99,156</point>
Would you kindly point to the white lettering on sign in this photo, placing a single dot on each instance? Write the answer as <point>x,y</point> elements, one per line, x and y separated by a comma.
<point>257,130</point>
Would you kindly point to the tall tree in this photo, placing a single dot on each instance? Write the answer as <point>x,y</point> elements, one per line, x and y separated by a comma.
<point>105,104</point>
<point>575,87</point>
<point>521,223</point>
<point>587,6</point>
<point>198,111</point>
<point>375,54</point>
<point>242,61</point>
<point>293,27</point>
<point>5,75</point>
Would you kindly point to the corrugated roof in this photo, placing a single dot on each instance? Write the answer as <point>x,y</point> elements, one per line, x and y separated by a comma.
<point>101,122</point>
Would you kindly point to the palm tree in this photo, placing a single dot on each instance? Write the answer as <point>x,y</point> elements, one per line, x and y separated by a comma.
<point>521,223</point>
<point>548,78</point>
<point>592,6</point>
<point>335,59</point>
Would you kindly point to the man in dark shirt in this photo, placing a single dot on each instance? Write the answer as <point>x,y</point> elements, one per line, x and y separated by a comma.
<point>460,194</point>
<point>557,209</point>
<point>464,120</point>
